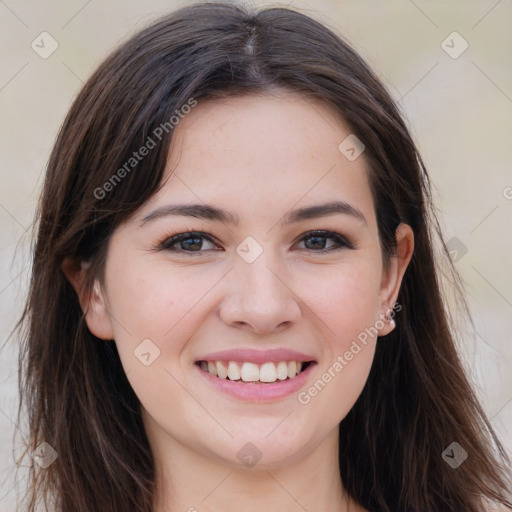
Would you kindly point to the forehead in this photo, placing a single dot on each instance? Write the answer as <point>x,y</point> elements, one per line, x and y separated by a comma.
<point>263,152</point>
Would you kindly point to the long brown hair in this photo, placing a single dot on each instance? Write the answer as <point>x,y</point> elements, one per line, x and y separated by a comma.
<point>417,399</point>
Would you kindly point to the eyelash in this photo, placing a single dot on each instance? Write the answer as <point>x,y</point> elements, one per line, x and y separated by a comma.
<point>169,241</point>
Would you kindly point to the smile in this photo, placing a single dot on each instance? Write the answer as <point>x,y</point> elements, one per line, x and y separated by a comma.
<point>255,382</point>
<point>249,372</point>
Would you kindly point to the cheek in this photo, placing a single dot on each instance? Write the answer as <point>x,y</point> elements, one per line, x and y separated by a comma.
<point>158,303</point>
<point>347,305</point>
<point>151,300</point>
<point>344,298</point>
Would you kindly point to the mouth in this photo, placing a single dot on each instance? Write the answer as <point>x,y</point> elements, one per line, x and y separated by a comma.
<point>246,372</point>
<point>256,376</point>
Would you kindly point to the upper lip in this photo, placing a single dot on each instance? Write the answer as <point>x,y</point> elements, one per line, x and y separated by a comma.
<point>256,356</point>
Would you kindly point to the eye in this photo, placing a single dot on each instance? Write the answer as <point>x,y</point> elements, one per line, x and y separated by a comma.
<point>316,240</point>
<point>188,242</point>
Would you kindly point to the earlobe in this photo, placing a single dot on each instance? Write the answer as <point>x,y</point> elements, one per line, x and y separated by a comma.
<point>392,277</point>
<point>92,301</point>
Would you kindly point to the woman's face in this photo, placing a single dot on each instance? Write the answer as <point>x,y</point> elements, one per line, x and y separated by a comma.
<point>257,289</point>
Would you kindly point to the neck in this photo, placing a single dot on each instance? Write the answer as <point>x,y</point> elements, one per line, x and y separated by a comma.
<point>188,481</point>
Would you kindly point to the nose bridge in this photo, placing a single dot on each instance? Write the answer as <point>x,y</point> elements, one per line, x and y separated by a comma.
<point>259,274</point>
<point>259,296</point>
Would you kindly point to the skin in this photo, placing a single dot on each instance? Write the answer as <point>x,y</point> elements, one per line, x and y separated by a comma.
<point>259,157</point>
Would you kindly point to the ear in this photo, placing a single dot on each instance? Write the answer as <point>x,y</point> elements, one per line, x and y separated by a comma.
<point>92,301</point>
<point>392,276</point>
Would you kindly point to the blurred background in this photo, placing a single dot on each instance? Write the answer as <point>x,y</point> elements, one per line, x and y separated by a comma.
<point>448,64</point>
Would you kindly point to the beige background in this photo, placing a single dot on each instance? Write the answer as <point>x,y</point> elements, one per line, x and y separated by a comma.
<point>459,111</point>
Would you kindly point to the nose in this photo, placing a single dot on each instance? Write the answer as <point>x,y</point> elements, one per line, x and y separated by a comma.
<point>259,297</point>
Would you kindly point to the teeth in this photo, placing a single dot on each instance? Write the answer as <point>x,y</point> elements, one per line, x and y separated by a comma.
<point>233,371</point>
<point>222,371</point>
<point>212,368</point>
<point>292,369</point>
<point>282,370</point>
<point>268,372</point>
<point>251,372</point>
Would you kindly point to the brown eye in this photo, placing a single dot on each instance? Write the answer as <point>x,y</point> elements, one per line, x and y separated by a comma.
<point>186,242</point>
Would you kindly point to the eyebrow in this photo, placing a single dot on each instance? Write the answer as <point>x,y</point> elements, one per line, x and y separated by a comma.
<point>209,212</point>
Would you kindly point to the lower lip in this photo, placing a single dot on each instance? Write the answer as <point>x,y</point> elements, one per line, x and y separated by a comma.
<point>258,392</point>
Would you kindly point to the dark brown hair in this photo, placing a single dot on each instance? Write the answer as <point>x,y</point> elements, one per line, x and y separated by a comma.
<point>417,399</point>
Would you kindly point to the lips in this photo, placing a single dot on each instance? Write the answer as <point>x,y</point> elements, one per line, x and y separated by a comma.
<point>258,391</point>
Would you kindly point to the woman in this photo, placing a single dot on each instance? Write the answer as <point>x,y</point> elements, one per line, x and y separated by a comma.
<point>234,300</point>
